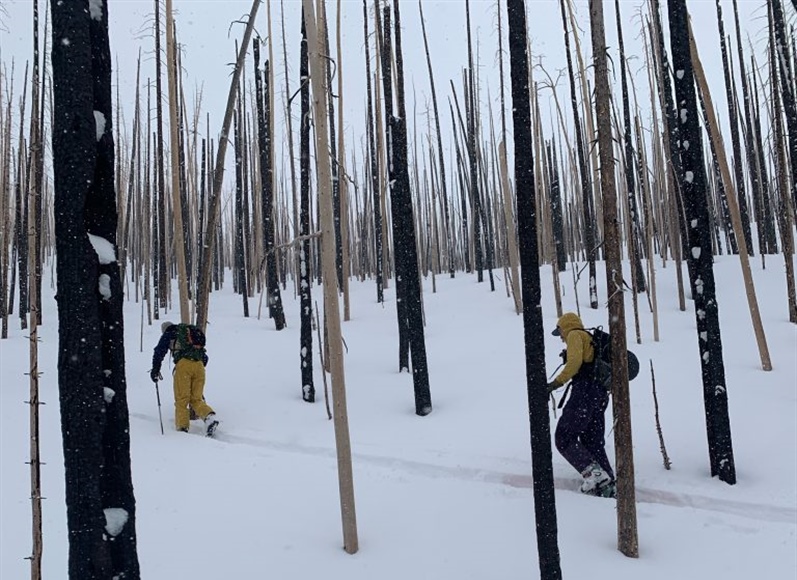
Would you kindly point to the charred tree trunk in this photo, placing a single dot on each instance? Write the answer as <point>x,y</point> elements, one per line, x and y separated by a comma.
<point>264,142</point>
<point>94,416</point>
<point>539,420</point>
<point>240,249</point>
<point>692,179</point>
<point>375,181</point>
<point>305,279</point>
<point>440,156</point>
<point>557,222</point>
<point>404,232</point>
<point>583,171</point>
<point>399,248</point>
<point>733,119</point>
<point>634,247</point>
<point>787,90</point>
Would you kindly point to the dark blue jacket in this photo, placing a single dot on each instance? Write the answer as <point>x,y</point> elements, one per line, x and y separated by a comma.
<point>165,344</point>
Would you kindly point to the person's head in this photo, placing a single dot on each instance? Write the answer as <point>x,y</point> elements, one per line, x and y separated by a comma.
<point>166,324</point>
<point>567,322</point>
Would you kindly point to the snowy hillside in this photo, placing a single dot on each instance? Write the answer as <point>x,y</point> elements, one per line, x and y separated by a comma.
<point>442,497</point>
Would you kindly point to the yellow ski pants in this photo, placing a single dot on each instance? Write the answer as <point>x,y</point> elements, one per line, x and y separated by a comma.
<point>189,385</point>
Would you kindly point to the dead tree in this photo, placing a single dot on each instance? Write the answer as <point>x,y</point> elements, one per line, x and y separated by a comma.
<point>91,366</point>
<point>305,279</point>
<point>408,291</point>
<point>374,165</point>
<point>692,178</point>
<point>627,541</point>
<point>583,172</point>
<point>264,142</point>
<point>539,419</point>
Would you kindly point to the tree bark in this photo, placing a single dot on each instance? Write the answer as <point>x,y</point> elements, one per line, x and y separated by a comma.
<point>305,279</point>
<point>692,178</point>
<point>91,369</point>
<point>539,420</point>
<point>627,540</point>
<point>331,304</point>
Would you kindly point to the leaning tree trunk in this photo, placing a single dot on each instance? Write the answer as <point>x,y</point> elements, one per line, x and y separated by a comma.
<point>692,180</point>
<point>440,157</point>
<point>627,541</point>
<point>214,204</point>
<point>539,420</point>
<point>733,208</point>
<point>91,366</point>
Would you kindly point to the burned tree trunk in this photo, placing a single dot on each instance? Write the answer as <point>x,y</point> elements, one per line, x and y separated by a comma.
<point>264,145</point>
<point>440,157</point>
<point>91,366</point>
<point>305,280</point>
<point>583,172</point>
<point>404,241</point>
<point>375,181</point>
<point>692,178</point>
<point>539,420</point>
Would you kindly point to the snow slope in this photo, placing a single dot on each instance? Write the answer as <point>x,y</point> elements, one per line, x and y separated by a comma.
<point>441,497</point>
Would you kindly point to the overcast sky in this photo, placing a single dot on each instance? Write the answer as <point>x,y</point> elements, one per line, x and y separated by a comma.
<point>208,34</point>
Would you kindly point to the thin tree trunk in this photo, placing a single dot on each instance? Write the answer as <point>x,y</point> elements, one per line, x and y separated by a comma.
<point>203,291</point>
<point>331,306</point>
<point>373,157</point>
<point>539,421</point>
<point>305,279</point>
<point>586,190</point>
<point>738,223</point>
<point>627,537</point>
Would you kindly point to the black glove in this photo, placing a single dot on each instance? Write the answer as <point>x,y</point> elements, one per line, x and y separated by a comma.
<point>552,386</point>
<point>155,375</point>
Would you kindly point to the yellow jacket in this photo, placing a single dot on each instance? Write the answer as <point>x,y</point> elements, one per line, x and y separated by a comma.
<point>579,346</point>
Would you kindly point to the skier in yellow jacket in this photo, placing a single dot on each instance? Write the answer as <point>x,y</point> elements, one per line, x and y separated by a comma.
<point>579,433</point>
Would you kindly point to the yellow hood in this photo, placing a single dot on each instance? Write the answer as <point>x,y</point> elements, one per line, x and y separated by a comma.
<point>569,321</point>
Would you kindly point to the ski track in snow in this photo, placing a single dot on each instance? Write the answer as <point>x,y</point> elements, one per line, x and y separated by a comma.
<point>756,511</point>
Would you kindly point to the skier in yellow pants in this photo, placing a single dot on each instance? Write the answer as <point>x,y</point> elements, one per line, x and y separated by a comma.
<point>187,345</point>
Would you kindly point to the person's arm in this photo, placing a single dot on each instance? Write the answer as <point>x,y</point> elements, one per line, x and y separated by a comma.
<point>575,358</point>
<point>161,349</point>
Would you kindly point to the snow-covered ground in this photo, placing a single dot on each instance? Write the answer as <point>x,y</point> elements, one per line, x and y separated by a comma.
<point>441,497</point>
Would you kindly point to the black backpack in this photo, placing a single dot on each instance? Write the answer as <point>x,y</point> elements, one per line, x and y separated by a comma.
<point>190,343</point>
<point>602,365</point>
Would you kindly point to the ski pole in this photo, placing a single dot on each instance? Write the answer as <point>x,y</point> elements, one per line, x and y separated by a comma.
<point>160,416</point>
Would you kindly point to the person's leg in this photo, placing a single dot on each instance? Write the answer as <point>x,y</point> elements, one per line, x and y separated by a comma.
<point>568,430</point>
<point>198,403</point>
<point>592,437</point>
<point>182,395</point>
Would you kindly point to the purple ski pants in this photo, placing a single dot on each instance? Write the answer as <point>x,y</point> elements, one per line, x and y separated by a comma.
<point>579,433</point>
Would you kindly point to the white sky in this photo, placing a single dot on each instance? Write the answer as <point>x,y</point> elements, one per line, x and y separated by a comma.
<point>204,28</point>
